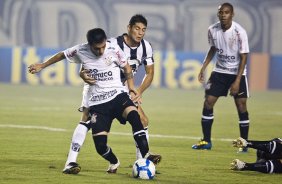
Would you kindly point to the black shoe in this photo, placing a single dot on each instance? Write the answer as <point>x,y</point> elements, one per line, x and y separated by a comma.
<point>72,168</point>
<point>154,158</point>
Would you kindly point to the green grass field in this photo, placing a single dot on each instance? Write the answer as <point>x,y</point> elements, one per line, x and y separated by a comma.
<point>32,152</point>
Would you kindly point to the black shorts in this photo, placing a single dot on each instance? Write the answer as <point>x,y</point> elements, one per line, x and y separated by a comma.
<point>102,115</point>
<point>220,83</point>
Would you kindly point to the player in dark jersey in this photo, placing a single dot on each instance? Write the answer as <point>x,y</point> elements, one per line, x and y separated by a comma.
<point>269,156</point>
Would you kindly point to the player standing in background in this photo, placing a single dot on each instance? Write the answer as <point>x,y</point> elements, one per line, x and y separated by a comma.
<point>269,156</point>
<point>139,52</point>
<point>108,98</point>
<point>229,42</point>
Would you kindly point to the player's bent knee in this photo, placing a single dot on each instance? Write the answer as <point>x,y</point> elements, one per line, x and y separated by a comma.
<point>100,142</point>
<point>134,119</point>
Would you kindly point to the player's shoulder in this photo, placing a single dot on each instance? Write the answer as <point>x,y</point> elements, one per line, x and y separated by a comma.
<point>215,26</point>
<point>112,43</point>
<point>147,44</point>
<point>83,47</point>
<point>112,40</point>
<point>238,27</point>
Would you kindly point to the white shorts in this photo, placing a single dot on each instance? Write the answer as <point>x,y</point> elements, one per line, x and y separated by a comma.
<point>85,98</point>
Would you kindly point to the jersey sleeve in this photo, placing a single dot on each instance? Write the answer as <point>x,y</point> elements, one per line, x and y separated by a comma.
<point>244,44</point>
<point>72,54</point>
<point>149,60</point>
<point>121,57</point>
<point>210,39</point>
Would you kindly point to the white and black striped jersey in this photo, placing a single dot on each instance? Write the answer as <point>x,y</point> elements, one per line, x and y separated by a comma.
<point>229,45</point>
<point>137,56</point>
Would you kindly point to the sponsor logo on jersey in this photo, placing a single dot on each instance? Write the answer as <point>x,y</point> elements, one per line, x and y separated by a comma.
<point>101,76</point>
<point>103,96</point>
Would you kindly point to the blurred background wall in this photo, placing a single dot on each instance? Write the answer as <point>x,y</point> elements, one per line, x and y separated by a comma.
<point>33,30</point>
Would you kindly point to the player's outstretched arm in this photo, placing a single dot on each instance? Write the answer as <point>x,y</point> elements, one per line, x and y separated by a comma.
<point>37,67</point>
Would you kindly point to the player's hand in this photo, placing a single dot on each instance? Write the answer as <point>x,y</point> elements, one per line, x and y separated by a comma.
<point>85,75</point>
<point>201,77</point>
<point>35,68</point>
<point>234,89</point>
<point>135,95</point>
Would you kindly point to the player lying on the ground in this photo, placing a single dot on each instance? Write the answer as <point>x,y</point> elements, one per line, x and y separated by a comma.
<point>269,156</point>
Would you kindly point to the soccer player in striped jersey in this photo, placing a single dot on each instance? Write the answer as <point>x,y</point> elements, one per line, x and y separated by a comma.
<point>229,44</point>
<point>108,98</point>
<point>269,156</point>
<point>139,52</point>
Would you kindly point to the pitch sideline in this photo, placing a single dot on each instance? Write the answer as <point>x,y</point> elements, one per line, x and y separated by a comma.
<point>114,133</point>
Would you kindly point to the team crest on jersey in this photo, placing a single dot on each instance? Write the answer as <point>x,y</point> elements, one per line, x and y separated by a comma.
<point>94,118</point>
<point>108,60</point>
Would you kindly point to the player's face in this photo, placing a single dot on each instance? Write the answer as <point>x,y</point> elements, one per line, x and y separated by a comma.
<point>137,32</point>
<point>98,48</point>
<point>225,16</point>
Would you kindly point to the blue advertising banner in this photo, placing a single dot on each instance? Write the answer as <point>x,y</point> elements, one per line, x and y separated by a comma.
<point>172,69</point>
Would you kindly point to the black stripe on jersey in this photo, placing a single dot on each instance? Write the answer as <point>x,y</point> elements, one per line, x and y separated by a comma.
<point>144,54</point>
<point>133,53</point>
<point>120,41</point>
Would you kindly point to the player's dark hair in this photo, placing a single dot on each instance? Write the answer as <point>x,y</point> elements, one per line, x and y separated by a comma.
<point>136,19</point>
<point>96,35</point>
<point>226,4</point>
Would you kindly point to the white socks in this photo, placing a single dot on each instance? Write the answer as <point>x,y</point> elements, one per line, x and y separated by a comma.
<point>78,138</point>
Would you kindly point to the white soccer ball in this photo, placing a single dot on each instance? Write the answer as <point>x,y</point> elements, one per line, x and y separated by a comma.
<point>144,169</point>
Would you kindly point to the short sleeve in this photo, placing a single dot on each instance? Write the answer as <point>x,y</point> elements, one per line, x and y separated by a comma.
<point>72,54</point>
<point>210,39</point>
<point>244,43</point>
<point>149,50</point>
<point>121,56</point>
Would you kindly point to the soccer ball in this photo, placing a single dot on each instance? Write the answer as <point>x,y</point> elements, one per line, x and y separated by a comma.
<point>144,169</point>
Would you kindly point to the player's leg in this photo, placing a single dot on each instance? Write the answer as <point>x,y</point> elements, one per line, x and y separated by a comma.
<point>273,147</point>
<point>206,122</point>
<point>145,122</point>
<point>132,116</point>
<point>217,85</point>
<point>268,166</point>
<point>78,138</point>
<point>241,104</point>
<point>100,141</point>
<point>101,125</point>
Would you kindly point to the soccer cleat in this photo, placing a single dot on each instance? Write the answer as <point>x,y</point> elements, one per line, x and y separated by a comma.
<point>72,168</point>
<point>240,143</point>
<point>237,165</point>
<point>113,168</point>
<point>156,159</point>
<point>202,145</point>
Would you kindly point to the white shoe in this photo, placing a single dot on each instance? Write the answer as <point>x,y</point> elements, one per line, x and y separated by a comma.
<point>113,167</point>
<point>72,168</point>
<point>237,165</point>
<point>240,143</point>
